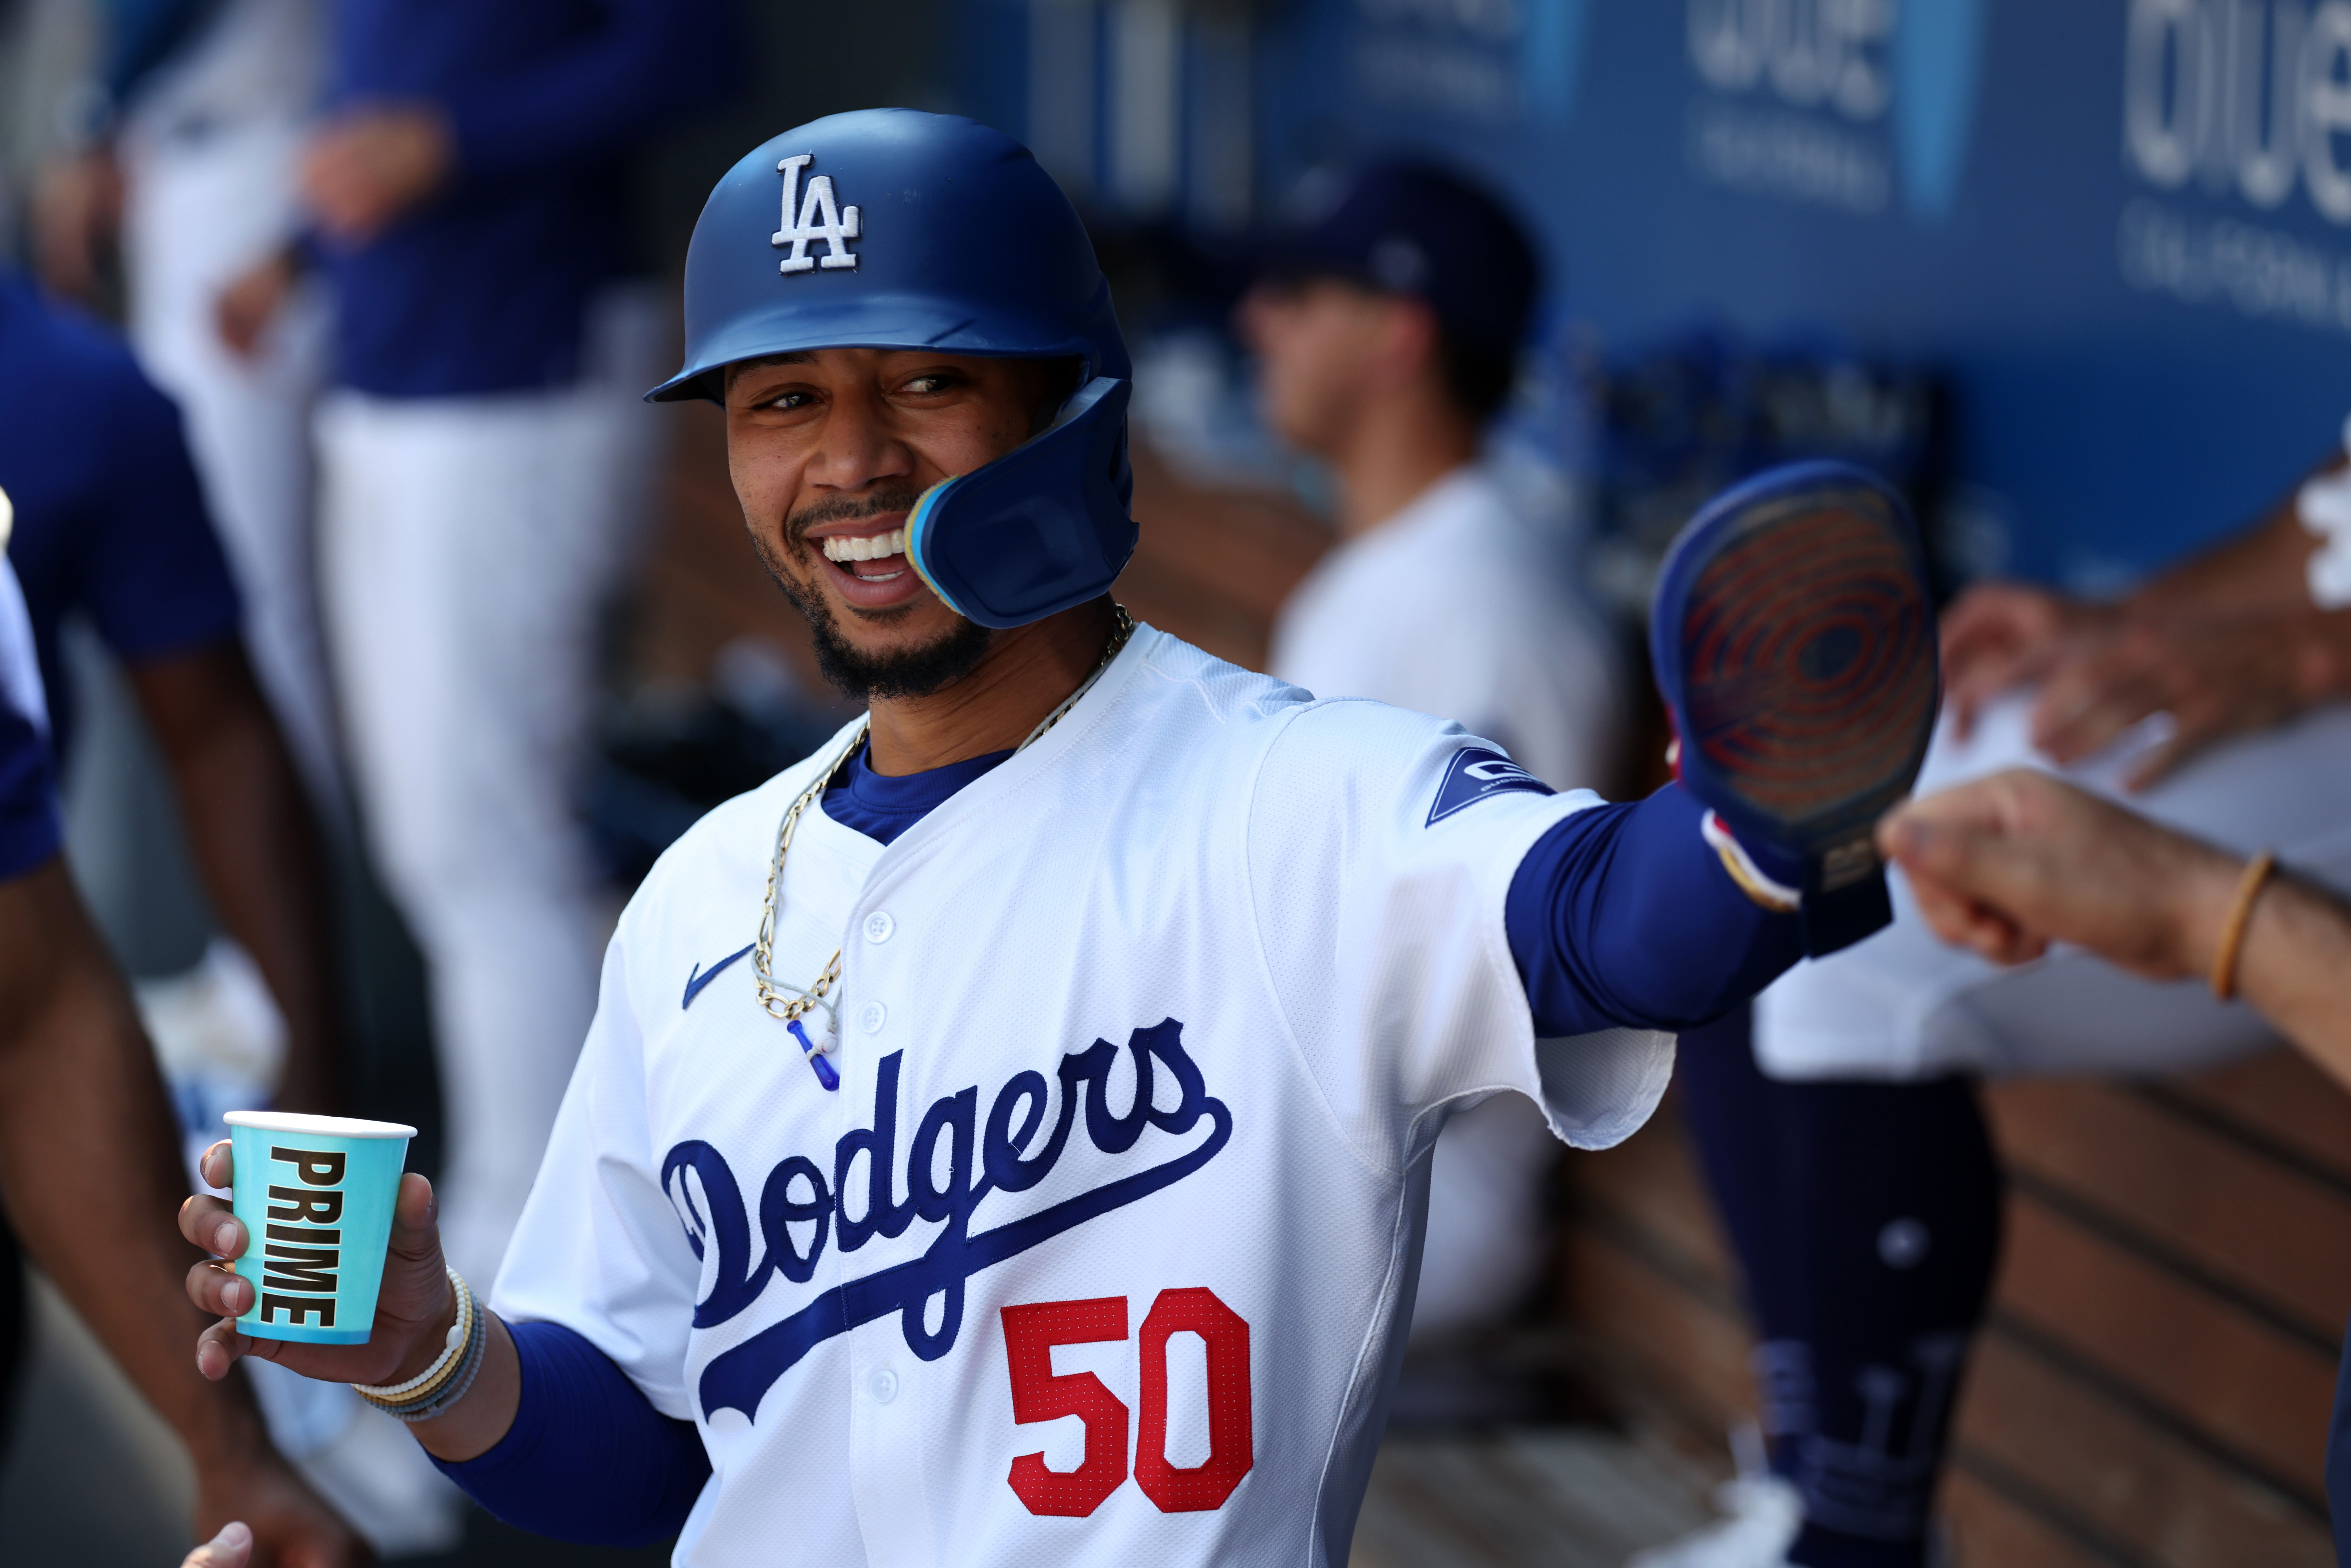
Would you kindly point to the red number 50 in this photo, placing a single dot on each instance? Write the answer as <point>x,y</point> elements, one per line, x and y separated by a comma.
<point>1039,1393</point>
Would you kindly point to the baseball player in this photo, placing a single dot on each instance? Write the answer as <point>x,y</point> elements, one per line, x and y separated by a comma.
<point>88,1151</point>
<point>1388,336</point>
<point>111,525</point>
<point>1004,1135</point>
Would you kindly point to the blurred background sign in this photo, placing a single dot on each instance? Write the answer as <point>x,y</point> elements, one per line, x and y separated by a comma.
<point>2117,233</point>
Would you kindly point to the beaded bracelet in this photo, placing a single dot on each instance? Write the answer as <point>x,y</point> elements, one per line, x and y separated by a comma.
<point>457,1388</point>
<point>427,1385</point>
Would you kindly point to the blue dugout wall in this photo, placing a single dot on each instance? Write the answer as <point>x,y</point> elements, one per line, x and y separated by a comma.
<point>2120,229</point>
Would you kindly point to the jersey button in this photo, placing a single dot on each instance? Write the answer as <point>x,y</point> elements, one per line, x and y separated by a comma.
<point>885,1385</point>
<point>872,1017</point>
<point>878,926</point>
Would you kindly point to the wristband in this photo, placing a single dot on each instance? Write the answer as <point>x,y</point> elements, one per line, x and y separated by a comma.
<point>2232,930</point>
<point>455,1388</point>
<point>1752,880</point>
<point>428,1382</point>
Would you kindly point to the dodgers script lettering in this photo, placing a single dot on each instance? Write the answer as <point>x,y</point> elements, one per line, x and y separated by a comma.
<point>981,1159</point>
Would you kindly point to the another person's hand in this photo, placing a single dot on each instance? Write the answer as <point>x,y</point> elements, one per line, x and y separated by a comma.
<point>268,1517</point>
<point>251,300</point>
<point>232,1548</point>
<point>2216,678</point>
<point>414,1310</point>
<point>368,168</point>
<point>1999,636</point>
<point>2103,668</point>
<point>2008,864</point>
<point>77,213</point>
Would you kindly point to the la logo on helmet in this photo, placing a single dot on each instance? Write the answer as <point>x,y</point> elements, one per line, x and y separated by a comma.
<point>821,218</point>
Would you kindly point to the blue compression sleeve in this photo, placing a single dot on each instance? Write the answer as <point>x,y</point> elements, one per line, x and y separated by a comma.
<point>588,1459</point>
<point>1624,916</point>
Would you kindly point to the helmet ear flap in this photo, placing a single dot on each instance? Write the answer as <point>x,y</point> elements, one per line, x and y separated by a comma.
<point>1043,527</point>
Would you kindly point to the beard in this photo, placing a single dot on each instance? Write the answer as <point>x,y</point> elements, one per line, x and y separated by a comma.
<point>918,671</point>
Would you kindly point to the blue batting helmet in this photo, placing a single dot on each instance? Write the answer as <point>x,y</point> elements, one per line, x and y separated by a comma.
<point>889,228</point>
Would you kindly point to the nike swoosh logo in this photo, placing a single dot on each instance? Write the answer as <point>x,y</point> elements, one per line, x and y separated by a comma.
<point>701,976</point>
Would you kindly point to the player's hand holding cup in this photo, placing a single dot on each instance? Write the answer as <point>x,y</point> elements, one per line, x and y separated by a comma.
<point>345,1282</point>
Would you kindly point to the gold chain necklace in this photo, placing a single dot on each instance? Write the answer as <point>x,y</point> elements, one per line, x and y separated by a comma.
<point>792,1003</point>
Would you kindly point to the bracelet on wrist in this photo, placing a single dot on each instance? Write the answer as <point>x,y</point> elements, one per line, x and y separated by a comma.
<point>456,1388</point>
<point>2232,930</point>
<point>429,1384</point>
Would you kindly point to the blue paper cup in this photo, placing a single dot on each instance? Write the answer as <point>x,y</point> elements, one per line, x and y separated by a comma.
<point>316,1195</point>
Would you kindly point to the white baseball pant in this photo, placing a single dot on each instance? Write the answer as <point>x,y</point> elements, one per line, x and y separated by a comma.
<point>469,544</point>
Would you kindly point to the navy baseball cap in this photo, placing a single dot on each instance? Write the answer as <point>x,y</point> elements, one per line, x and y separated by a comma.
<point>1413,228</point>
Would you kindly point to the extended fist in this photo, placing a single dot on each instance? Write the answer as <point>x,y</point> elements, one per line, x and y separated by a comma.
<point>2007,865</point>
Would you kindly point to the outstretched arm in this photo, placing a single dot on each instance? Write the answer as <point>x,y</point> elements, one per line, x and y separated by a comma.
<point>2007,865</point>
<point>1624,917</point>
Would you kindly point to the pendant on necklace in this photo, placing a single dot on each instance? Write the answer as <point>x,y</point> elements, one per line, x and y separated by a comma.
<point>817,1055</point>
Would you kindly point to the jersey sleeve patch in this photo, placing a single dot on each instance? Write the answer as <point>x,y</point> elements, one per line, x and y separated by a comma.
<point>1475,773</point>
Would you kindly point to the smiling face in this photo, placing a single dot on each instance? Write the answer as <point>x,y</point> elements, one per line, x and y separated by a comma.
<point>829,450</point>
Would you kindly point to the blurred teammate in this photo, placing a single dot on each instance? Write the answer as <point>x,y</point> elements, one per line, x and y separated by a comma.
<point>1845,1149</point>
<point>1388,341</point>
<point>87,1150</point>
<point>110,526</point>
<point>200,117</point>
<point>1087,991</point>
<point>482,462</point>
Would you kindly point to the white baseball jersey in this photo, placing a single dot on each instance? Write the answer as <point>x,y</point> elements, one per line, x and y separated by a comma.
<point>1097,1254</point>
<point>1445,608</point>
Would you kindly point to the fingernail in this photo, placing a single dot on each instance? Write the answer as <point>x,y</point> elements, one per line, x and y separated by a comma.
<point>223,1236</point>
